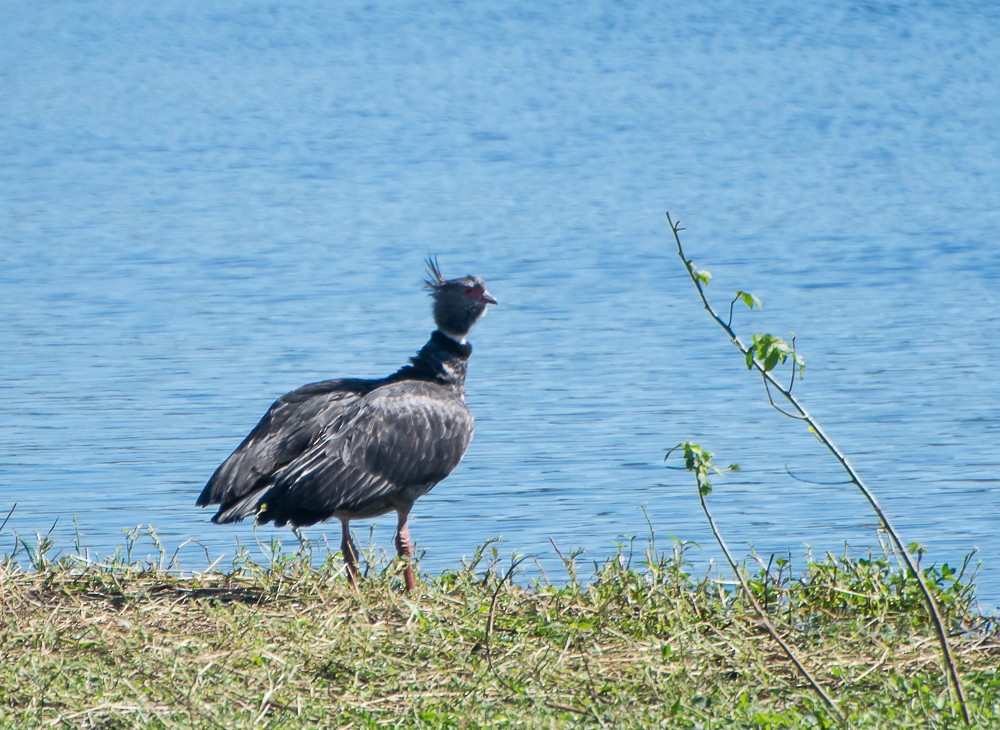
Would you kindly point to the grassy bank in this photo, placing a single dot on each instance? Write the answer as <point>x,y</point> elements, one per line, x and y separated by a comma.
<point>639,643</point>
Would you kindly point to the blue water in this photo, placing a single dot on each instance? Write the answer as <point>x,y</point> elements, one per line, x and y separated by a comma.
<point>205,206</point>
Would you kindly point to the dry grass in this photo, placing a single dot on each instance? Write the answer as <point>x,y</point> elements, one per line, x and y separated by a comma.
<point>640,644</point>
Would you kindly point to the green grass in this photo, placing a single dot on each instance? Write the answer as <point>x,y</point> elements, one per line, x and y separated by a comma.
<point>639,643</point>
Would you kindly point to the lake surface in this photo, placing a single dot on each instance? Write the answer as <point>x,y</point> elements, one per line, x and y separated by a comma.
<point>205,206</point>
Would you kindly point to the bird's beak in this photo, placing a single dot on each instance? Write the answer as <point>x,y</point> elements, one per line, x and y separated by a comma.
<point>487,298</point>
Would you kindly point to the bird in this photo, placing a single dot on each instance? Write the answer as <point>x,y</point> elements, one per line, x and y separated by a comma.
<point>355,448</point>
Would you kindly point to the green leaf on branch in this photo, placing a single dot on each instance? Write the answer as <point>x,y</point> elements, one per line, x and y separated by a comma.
<point>771,359</point>
<point>769,351</point>
<point>749,299</point>
<point>699,461</point>
<point>703,276</point>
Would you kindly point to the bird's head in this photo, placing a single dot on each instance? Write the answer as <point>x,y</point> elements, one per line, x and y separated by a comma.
<point>458,303</point>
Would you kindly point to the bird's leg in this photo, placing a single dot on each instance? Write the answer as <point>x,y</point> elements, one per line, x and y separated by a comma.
<point>349,553</point>
<point>404,549</point>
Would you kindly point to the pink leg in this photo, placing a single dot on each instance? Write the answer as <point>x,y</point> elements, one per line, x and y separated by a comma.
<point>404,548</point>
<point>349,553</point>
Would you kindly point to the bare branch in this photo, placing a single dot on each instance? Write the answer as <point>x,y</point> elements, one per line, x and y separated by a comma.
<point>775,406</point>
<point>854,477</point>
<point>785,647</point>
<point>7,518</point>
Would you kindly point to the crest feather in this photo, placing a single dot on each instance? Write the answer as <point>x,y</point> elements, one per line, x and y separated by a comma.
<point>434,280</point>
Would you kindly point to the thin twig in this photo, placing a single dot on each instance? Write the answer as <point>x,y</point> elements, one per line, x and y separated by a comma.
<point>841,458</point>
<point>775,406</point>
<point>873,667</point>
<point>7,518</point>
<point>491,621</point>
<point>791,382</point>
<point>789,652</point>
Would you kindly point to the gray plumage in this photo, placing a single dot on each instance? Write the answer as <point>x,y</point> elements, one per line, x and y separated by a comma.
<point>355,448</point>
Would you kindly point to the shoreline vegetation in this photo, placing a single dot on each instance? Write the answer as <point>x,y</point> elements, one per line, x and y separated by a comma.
<point>642,641</point>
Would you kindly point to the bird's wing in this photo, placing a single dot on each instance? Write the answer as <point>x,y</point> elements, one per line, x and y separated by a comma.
<point>291,425</point>
<point>407,435</point>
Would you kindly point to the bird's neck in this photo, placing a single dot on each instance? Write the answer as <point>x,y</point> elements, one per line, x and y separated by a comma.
<point>457,339</point>
<point>442,360</point>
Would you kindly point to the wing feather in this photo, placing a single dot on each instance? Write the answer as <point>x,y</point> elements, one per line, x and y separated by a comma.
<point>291,425</point>
<point>395,444</point>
